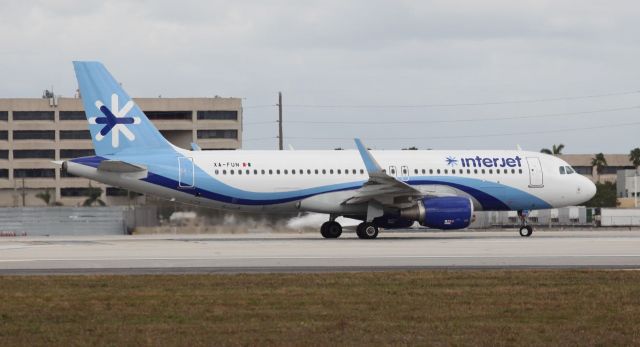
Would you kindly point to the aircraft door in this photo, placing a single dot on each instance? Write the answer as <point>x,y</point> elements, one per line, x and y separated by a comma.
<point>186,176</point>
<point>536,179</point>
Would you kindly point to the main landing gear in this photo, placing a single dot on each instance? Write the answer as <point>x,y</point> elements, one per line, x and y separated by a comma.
<point>333,230</point>
<point>367,231</point>
<point>525,229</point>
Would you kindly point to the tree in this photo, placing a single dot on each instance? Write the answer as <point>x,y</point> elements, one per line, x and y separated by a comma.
<point>600,162</point>
<point>555,150</point>
<point>412,148</point>
<point>634,157</point>
<point>47,197</point>
<point>94,197</point>
<point>605,196</point>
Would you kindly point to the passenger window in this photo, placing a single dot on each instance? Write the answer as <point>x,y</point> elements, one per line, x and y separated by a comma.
<point>262,172</point>
<point>277,171</point>
<point>513,171</point>
<point>293,172</point>
<point>331,171</point>
<point>430,171</point>
<point>490,171</point>
<point>562,170</point>
<point>247,172</point>
<point>232,172</point>
<point>255,172</point>
<point>415,171</point>
<point>446,171</point>
<point>216,172</point>
<point>520,170</point>
<point>424,171</point>
<point>286,171</point>
<point>353,171</point>
<point>482,171</point>
<point>339,171</point>
<point>224,172</point>
<point>469,171</point>
<point>362,171</point>
<point>324,172</point>
<point>239,172</point>
<point>308,171</point>
<point>497,171</point>
<point>438,171</point>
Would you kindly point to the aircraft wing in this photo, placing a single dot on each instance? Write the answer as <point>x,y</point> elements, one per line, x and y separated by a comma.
<point>381,187</point>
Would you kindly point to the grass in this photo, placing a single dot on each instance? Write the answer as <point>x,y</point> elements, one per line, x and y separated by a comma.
<point>485,308</point>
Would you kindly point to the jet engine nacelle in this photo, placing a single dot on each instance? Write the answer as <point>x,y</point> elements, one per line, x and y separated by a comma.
<point>448,212</point>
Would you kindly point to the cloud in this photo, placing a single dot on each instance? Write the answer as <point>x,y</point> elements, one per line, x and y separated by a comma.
<point>344,52</point>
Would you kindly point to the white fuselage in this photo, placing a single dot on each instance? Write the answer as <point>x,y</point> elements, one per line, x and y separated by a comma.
<point>320,181</point>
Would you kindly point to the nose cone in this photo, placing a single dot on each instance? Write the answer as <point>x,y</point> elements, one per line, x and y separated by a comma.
<point>587,188</point>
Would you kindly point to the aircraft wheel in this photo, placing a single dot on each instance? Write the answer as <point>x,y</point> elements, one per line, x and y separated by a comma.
<point>331,230</point>
<point>526,231</point>
<point>367,230</point>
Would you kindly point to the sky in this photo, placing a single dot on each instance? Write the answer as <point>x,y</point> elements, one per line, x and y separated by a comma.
<point>431,74</point>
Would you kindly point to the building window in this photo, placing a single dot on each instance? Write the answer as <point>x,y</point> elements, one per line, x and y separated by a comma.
<point>33,115</point>
<point>217,115</point>
<point>4,116</point>
<point>72,115</point>
<point>114,191</point>
<point>34,154</point>
<point>75,191</point>
<point>4,154</point>
<point>4,135</point>
<point>4,173</point>
<point>76,153</point>
<point>65,174</point>
<point>34,173</point>
<point>218,134</point>
<point>34,135</point>
<point>168,115</point>
<point>75,135</point>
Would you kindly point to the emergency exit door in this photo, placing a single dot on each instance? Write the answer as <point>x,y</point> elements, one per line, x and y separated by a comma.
<point>536,179</point>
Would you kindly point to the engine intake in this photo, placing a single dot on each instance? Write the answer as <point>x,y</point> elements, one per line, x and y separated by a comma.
<point>447,213</point>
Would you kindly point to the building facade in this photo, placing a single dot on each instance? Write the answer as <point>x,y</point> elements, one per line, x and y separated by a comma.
<point>582,164</point>
<point>35,132</point>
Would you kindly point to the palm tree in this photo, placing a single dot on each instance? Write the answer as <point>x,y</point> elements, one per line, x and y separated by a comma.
<point>600,162</point>
<point>555,150</point>
<point>94,197</point>
<point>634,157</point>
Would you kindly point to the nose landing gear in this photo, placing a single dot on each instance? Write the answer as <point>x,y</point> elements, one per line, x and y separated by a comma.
<point>525,230</point>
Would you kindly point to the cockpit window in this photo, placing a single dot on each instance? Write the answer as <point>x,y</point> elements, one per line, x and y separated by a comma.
<point>570,170</point>
<point>562,172</point>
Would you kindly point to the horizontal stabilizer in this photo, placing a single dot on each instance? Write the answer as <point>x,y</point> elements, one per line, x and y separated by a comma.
<point>119,166</point>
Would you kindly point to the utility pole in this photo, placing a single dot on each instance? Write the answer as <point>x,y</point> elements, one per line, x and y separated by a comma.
<point>280,139</point>
<point>24,194</point>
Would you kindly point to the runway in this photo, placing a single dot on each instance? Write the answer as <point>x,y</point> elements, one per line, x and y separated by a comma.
<point>276,252</point>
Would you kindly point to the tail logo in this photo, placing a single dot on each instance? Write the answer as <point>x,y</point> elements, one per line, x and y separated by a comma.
<point>114,120</point>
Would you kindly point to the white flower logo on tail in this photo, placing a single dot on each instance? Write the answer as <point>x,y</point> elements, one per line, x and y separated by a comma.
<point>114,120</point>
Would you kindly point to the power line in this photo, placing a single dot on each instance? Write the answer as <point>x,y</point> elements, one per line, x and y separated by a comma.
<point>409,122</point>
<point>525,101</point>
<point>475,135</point>
<point>439,121</point>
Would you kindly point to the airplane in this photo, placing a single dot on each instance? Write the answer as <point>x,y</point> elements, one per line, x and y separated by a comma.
<point>385,189</point>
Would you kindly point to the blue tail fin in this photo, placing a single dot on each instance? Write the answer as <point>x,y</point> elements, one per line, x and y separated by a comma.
<point>116,123</point>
